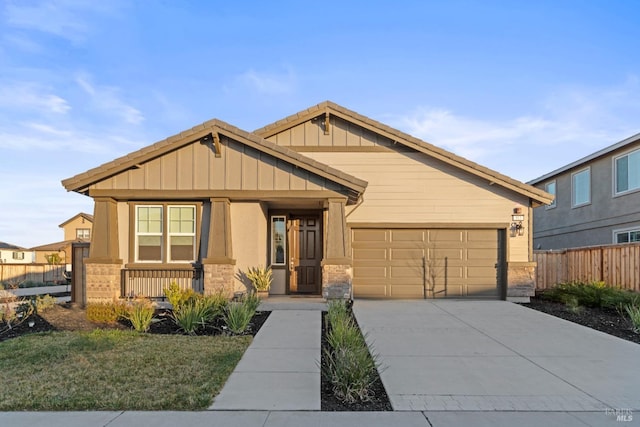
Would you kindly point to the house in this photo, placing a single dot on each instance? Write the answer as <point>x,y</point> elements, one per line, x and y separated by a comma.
<point>12,254</point>
<point>76,229</point>
<point>336,203</point>
<point>597,200</point>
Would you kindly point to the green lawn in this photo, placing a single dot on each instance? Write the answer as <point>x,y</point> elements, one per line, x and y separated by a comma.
<point>115,370</point>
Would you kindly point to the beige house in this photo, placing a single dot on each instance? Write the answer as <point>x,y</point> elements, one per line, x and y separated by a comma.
<point>336,203</point>
<point>76,229</point>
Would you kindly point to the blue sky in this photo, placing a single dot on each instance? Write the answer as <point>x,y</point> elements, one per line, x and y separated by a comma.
<point>520,87</point>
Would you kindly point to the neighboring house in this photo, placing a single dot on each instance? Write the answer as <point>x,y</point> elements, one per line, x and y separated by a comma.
<point>597,200</point>
<point>324,197</point>
<point>12,254</point>
<point>76,229</point>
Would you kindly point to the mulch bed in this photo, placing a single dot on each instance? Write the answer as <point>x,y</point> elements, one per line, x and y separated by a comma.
<point>603,320</point>
<point>329,402</point>
<point>70,317</point>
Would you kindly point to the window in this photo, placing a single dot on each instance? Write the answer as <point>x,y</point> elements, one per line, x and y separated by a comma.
<point>278,240</point>
<point>83,233</point>
<point>627,174</point>
<point>626,236</point>
<point>153,235</point>
<point>581,187</point>
<point>18,255</point>
<point>550,188</point>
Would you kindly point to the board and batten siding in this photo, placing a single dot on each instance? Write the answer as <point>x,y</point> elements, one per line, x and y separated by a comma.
<point>195,167</point>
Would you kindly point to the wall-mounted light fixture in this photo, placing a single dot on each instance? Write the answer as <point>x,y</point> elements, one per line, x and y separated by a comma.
<point>517,229</point>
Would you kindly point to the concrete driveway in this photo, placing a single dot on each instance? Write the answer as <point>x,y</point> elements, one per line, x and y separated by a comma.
<point>496,356</point>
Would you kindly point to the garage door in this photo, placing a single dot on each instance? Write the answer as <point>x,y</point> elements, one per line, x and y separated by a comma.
<point>414,263</point>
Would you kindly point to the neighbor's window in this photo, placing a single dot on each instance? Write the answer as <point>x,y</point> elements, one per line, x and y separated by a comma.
<point>550,188</point>
<point>278,240</point>
<point>83,233</point>
<point>627,236</point>
<point>18,255</point>
<point>627,173</point>
<point>581,187</point>
<point>153,235</point>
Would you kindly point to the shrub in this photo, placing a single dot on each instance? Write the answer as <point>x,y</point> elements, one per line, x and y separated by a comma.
<point>192,315</point>
<point>260,277</point>
<point>633,311</point>
<point>215,303</point>
<point>140,314</point>
<point>594,294</point>
<point>104,312</point>
<point>237,316</point>
<point>252,301</point>
<point>350,367</point>
<point>177,296</point>
<point>43,302</point>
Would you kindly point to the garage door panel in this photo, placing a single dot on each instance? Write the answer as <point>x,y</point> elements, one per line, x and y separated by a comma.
<point>370,272</point>
<point>407,236</point>
<point>369,291</point>
<point>406,291</point>
<point>375,254</point>
<point>370,235</point>
<point>407,254</point>
<point>443,236</point>
<point>442,253</point>
<point>389,263</point>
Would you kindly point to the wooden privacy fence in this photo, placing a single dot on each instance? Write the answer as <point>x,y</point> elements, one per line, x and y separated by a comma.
<point>14,274</point>
<point>616,265</point>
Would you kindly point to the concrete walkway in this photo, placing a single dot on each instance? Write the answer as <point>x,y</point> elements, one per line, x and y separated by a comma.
<point>311,419</point>
<point>497,356</point>
<point>280,369</point>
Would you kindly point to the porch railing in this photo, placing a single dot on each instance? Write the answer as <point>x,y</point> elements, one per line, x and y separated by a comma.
<point>150,283</point>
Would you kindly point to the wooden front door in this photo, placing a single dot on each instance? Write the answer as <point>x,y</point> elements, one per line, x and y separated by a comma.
<point>305,243</point>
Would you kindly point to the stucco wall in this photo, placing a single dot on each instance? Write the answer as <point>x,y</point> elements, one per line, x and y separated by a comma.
<point>593,224</point>
<point>249,236</point>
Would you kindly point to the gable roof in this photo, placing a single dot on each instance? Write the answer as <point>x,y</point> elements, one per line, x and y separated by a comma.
<point>81,214</point>
<point>537,195</point>
<point>607,150</point>
<point>5,245</point>
<point>81,182</point>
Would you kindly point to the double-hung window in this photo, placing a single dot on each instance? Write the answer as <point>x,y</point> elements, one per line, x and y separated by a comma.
<point>581,187</point>
<point>165,233</point>
<point>550,187</point>
<point>627,172</point>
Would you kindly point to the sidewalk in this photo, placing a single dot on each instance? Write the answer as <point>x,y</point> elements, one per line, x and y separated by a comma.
<point>279,370</point>
<point>311,419</point>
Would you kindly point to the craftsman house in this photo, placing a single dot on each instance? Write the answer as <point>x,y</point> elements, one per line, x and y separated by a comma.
<point>336,203</point>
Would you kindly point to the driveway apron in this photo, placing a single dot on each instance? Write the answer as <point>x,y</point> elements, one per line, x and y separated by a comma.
<point>496,356</point>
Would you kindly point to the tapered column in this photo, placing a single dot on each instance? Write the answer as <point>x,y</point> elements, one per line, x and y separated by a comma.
<point>336,265</point>
<point>219,263</point>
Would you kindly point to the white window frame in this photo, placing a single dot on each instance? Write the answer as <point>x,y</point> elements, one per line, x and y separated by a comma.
<point>553,204</point>
<point>273,241</point>
<point>169,234</point>
<point>18,255</point>
<point>161,234</point>
<point>624,231</point>
<point>85,231</point>
<point>615,174</point>
<point>573,188</point>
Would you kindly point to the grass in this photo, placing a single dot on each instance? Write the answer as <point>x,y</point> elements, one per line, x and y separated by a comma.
<point>594,294</point>
<point>115,370</point>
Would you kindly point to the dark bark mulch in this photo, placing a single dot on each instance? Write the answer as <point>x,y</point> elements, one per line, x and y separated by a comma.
<point>70,317</point>
<point>601,319</point>
<point>329,402</point>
